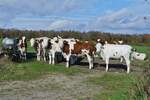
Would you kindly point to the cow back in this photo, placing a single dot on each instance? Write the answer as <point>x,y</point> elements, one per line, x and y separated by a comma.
<point>77,48</point>
<point>66,47</point>
<point>89,46</point>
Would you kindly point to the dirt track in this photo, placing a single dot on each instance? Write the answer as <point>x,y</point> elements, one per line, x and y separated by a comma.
<point>50,87</point>
<point>58,86</point>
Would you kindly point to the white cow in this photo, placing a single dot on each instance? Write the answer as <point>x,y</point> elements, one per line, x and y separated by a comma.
<point>108,51</point>
<point>40,45</point>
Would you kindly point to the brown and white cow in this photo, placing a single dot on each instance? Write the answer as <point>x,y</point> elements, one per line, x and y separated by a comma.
<point>78,48</point>
<point>56,46</point>
<point>22,46</point>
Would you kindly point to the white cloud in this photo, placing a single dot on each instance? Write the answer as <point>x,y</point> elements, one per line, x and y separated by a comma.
<point>131,19</point>
<point>59,24</point>
<point>66,24</point>
<point>66,15</point>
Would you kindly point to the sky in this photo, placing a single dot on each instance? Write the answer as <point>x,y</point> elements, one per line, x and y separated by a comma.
<point>117,16</point>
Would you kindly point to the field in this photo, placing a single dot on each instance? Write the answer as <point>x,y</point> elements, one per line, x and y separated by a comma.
<point>40,81</point>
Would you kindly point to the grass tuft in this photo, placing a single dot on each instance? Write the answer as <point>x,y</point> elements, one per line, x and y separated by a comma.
<point>115,86</point>
<point>34,70</point>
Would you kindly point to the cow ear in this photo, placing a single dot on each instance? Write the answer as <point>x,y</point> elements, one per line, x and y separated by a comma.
<point>49,40</point>
<point>65,42</point>
<point>102,42</point>
<point>41,40</point>
<point>98,40</point>
<point>59,37</point>
<point>134,49</point>
<point>36,41</point>
<point>138,54</point>
<point>57,41</point>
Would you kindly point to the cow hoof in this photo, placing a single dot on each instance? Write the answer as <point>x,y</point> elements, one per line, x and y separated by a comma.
<point>67,66</point>
<point>128,72</point>
<point>38,59</point>
<point>50,63</point>
<point>91,68</point>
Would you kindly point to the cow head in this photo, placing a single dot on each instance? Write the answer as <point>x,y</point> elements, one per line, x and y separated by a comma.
<point>35,43</point>
<point>57,44</point>
<point>49,44</point>
<point>99,45</point>
<point>22,43</point>
<point>139,56</point>
<point>24,39</point>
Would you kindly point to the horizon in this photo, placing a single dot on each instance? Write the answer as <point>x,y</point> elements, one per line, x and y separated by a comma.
<point>125,17</point>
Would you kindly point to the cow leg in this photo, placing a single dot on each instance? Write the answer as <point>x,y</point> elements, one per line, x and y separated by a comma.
<point>128,64</point>
<point>24,53</point>
<point>50,58</point>
<point>121,59</point>
<point>53,57</point>
<point>67,60</point>
<point>21,54</point>
<point>107,63</point>
<point>38,56</point>
<point>90,60</point>
<point>44,54</point>
<point>25,56</point>
<point>132,57</point>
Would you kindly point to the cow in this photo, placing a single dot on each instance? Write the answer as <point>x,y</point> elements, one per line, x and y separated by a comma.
<point>78,48</point>
<point>40,45</point>
<point>108,51</point>
<point>22,47</point>
<point>56,46</point>
<point>102,42</point>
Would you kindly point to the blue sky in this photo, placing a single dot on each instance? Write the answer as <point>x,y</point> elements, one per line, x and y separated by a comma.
<point>118,16</point>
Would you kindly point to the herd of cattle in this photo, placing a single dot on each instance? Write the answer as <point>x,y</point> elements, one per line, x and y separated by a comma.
<point>68,47</point>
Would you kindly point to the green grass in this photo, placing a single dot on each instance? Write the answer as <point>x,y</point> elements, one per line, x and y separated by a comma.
<point>34,70</point>
<point>115,86</point>
<point>29,48</point>
<point>0,41</point>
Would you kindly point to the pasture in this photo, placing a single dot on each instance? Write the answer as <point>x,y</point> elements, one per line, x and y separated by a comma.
<point>40,81</point>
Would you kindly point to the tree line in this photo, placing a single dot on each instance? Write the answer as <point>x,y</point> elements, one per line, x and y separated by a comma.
<point>135,39</point>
